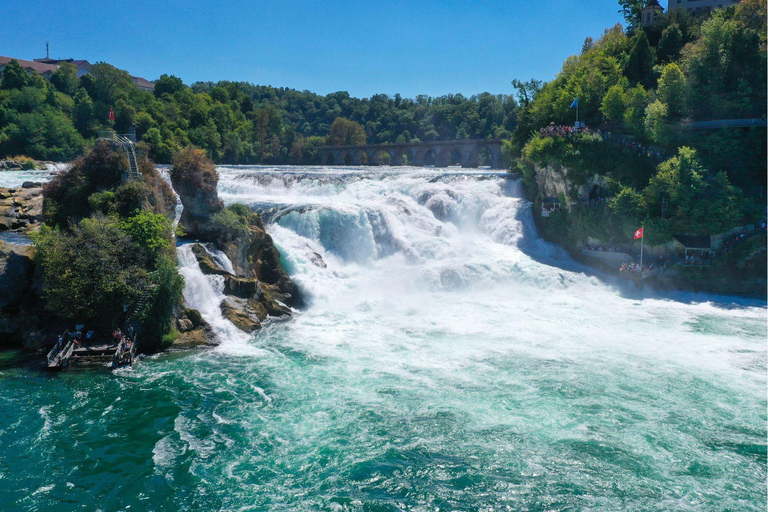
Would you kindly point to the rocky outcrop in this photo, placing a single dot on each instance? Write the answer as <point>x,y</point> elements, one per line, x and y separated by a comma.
<point>249,301</point>
<point>259,285</point>
<point>19,164</point>
<point>21,208</point>
<point>20,308</point>
<point>193,330</point>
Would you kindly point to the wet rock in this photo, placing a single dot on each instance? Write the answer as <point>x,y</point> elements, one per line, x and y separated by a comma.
<point>197,337</point>
<point>242,287</point>
<point>184,324</point>
<point>317,260</point>
<point>207,263</point>
<point>234,311</point>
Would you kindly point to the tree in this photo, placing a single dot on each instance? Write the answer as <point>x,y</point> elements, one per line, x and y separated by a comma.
<point>627,202</point>
<point>150,232</point>
<point>673,90</point>
<point>167,84</point>
<point>614,103</point>
<point>344,132</point>
<point>641,60</point>
<point>14,76</point>
<point>632,11</point>
<point>527,91</point>
<point>671,43</point>
<point>106,83</point>
<point>699,203</point>
<point>90,273</point>
<point>656,122</point>
<point>65,79</point>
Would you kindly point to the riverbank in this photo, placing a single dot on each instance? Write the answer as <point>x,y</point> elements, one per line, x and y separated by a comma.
<point>740,272</point>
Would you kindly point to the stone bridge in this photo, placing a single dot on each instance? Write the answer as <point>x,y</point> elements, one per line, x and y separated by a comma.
<point>466,153</point>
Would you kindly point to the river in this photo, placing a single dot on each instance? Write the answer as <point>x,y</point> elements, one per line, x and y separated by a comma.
<point>447,359</point>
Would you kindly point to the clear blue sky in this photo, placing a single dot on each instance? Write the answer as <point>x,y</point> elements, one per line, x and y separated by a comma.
<point>365,46</point>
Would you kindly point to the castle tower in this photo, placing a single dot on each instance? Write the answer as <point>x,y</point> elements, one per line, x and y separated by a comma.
<point>649,13</point>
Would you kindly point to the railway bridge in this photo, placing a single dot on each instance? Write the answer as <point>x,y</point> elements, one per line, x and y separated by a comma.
<point>467,153</point>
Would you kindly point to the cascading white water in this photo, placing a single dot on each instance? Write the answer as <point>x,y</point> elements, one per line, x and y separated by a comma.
<point>205,293</point>
<point>448,359</point>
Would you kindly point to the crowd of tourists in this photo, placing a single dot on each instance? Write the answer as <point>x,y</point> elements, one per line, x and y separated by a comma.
<point>558,130</point>
<point>126,339</point>
<point>79,338</point>
<point>76,337</point>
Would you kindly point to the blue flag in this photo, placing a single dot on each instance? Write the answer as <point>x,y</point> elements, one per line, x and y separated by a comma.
<point>575,103</point>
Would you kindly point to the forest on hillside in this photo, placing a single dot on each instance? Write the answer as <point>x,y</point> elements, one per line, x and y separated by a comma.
<point>234,122</point>
<point>651,85</point>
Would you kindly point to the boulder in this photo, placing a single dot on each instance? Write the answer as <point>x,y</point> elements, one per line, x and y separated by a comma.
<point>233,311</point>
<point>242,287</point>
<point>184,324</point>
<point>197,337</point>
<point>207,264</point>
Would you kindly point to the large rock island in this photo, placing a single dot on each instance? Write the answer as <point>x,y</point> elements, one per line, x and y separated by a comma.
<point>258,285</point>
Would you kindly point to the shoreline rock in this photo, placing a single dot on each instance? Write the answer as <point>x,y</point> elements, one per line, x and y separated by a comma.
<point>21,208</point>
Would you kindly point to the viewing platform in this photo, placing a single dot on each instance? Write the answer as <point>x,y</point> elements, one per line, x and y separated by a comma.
<point>120,353</point>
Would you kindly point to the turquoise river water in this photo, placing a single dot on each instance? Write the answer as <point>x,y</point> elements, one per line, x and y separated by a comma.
<point>447,359</point>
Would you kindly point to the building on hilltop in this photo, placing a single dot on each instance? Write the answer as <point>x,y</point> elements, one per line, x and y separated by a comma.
<point>650,11</point>
<point>143,84</point>
<point>83,67</point>
<point>46,70</point>
<point>699,6</point>
<point>47,67</point>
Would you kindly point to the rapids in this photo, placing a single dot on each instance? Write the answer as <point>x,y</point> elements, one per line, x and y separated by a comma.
<point>447,359</point>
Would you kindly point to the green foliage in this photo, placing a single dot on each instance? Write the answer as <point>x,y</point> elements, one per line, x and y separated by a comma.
<point>65,79</point>
<point>234,221</point>
<point>614,103</point>
<point>656,126</point>
<point>726,68</point>
<point>628,202</point>
<point>631,10</point>
<point>671,43</point>
<point>44,133</point>
<point>157,322</point>
<point>90,272</point>
<point>14,76</point>
<point>673,90</point>
<point>104,202</point>
<point>168,84</point>
<point>588,155</point>
<point>344,132</point>
<point>641,61</point>
<point>698,202</point>
<point>151,233</point>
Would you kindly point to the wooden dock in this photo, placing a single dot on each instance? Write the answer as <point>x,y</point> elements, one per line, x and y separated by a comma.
<point>121,354</point>
<point>58,359</point>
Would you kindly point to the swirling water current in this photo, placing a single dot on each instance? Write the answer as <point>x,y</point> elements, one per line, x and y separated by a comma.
<point>447,359</point>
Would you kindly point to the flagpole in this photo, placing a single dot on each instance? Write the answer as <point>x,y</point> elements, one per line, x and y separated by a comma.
<point>642,243</point>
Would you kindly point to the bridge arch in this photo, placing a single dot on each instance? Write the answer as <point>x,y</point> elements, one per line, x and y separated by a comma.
<point>379,156</point>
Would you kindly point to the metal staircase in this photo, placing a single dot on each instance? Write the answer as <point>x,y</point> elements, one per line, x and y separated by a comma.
<point>125,142</point>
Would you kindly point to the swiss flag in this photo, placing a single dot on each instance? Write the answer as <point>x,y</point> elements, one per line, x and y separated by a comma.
<point>639,233</point>
<point>111,115</point>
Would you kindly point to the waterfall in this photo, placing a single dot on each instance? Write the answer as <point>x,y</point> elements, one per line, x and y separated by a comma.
<point>205,293</point>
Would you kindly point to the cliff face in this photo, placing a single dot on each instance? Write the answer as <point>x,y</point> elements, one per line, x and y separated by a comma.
<point>553,180</point>
<point>20,307</point>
